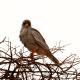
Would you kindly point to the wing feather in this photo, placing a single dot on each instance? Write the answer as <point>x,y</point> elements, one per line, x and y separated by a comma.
<point>39,39</point>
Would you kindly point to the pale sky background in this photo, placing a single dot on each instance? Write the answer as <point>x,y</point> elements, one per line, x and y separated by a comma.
<point>55,19</point>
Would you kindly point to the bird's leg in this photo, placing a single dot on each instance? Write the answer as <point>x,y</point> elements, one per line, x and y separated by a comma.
<point>32,57</point>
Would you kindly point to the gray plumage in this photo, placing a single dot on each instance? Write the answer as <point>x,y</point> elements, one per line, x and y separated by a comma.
<point>33,40</point>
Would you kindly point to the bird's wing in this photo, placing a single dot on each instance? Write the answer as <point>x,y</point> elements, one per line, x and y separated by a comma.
<point>39,39</point>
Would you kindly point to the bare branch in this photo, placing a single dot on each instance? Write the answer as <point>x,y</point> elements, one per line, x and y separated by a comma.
<point>16,66</point>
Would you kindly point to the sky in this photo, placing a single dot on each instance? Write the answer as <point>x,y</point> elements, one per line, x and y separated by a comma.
<point>57,20</point>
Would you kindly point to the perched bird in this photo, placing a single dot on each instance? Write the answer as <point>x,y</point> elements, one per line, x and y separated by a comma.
<point>34,41</point>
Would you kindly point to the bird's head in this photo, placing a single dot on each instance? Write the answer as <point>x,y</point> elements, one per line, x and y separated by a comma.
<point>26,24</point>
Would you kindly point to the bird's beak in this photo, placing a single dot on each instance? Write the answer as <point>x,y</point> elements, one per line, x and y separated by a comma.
<point>26,26</point>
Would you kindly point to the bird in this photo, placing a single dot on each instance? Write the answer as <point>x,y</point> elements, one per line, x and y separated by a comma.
<point>32,39</point>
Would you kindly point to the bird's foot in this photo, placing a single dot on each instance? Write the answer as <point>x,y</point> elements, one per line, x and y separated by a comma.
<point>32,58</point>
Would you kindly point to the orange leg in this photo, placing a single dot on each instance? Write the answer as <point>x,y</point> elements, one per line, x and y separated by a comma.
<point>32,56</point>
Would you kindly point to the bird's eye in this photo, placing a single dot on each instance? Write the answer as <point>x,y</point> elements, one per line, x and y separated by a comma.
<point>24,23</point>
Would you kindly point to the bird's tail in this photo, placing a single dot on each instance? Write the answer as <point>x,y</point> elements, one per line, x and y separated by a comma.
<point>51,57</point>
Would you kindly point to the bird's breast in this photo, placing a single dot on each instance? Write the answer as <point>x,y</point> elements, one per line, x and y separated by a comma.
<point>28,41</point>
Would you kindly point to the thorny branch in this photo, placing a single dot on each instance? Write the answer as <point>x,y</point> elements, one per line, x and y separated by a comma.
<point>14,65</point>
